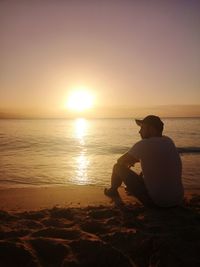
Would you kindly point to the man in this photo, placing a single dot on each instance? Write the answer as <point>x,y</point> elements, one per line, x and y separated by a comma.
<point>160,182</point>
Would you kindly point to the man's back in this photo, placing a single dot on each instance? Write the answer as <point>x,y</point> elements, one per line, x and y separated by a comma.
<point>162,169</point>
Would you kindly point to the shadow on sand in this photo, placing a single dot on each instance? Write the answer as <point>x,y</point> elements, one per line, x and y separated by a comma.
<point>123,235</point>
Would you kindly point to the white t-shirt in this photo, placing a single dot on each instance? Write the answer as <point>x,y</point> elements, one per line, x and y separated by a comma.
<point>162,169</point>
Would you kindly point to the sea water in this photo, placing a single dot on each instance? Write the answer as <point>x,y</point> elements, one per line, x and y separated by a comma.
<point>81,151</point>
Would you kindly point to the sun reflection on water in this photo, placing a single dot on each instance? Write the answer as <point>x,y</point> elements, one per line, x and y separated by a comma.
<point>82,163</point>
<point>81,160</point>
<point>80,129</point>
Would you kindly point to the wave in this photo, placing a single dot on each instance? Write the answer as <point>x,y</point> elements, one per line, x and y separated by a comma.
<point>181,150</point>
<point>122,149</point>
<point>8,181</point>
<point>184,150</point>
<point>71,148</point>
<point>17,182</point>
<point>116,149</point>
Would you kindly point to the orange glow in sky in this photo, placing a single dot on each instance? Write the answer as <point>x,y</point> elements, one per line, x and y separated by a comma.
<point>128,54</point>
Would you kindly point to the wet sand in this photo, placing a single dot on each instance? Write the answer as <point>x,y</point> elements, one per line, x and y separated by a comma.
<point>34,198</point>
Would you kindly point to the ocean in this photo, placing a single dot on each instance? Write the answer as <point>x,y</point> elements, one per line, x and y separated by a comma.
<point>48,152</point>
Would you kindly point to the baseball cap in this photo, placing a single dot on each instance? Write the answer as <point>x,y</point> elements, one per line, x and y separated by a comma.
<point>152,120</point>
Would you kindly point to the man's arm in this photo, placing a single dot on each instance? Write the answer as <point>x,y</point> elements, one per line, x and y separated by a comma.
<point>127,159</point>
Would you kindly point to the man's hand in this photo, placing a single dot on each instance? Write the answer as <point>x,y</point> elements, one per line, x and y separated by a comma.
<point>131,165</point>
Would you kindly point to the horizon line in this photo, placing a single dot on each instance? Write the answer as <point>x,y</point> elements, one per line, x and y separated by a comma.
<point>92,118</point>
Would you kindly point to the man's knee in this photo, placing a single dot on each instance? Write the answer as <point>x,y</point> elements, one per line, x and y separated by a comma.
<point>120,169</point>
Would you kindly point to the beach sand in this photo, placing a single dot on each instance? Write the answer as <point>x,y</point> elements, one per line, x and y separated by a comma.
<point>79,226</point>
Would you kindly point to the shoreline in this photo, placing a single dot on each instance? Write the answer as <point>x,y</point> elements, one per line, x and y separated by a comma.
<point>46,197</point>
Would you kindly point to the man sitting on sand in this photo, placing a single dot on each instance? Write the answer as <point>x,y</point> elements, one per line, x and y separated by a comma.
<point>160,182</point>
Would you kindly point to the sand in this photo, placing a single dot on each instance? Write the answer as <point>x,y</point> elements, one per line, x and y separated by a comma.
<point>34,198</point>
<point>79,226</point>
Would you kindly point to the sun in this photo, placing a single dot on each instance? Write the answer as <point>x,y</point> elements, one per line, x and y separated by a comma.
<point>80,100</point>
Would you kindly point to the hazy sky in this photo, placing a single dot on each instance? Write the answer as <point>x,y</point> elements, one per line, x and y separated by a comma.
<point>128,53</point>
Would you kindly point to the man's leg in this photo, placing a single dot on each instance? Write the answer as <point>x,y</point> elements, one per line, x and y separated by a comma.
<point>133,181</point>
<point>118,174</point>
<point>121,174</point>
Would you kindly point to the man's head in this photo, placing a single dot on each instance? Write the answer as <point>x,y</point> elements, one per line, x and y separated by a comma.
<point>151,126</point>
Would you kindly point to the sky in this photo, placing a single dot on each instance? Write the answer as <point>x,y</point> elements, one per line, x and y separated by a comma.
<point>134,56</point>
